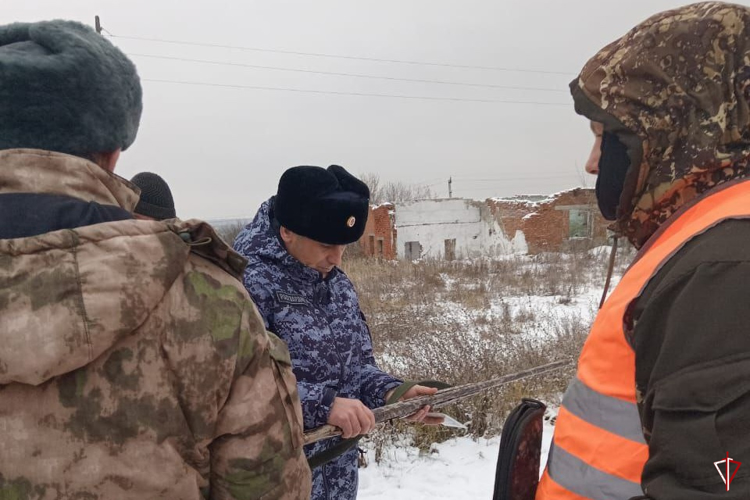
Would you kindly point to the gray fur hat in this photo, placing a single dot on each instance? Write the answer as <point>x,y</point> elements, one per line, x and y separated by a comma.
<point>65,88</point>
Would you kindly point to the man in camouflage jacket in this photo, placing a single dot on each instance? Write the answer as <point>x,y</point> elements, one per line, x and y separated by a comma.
<point>132,363</point>
<point>294,247</point>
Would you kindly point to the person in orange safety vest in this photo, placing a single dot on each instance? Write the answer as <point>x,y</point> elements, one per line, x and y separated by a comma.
<point>661,392</point>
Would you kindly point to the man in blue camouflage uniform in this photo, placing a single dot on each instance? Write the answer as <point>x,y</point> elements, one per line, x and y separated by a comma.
<point>294,247</point>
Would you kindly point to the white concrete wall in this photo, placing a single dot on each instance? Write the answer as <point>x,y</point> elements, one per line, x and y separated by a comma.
<point>431,222</point>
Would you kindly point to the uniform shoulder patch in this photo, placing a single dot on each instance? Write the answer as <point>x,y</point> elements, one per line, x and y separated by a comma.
<point>291,298</point>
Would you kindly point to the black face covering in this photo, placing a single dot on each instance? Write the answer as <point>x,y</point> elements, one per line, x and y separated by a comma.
<point>613,166</point>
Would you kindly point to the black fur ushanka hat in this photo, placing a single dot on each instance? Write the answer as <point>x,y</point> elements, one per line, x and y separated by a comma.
<point>326,205</point>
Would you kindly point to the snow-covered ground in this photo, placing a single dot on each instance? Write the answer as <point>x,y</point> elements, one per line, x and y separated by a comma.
<point>460,468</point>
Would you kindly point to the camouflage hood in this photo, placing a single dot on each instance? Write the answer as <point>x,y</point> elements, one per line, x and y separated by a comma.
<point>675,89</point>
<point>67,296</point>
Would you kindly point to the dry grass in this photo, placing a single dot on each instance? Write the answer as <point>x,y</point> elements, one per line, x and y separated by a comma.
<point>463,322</point>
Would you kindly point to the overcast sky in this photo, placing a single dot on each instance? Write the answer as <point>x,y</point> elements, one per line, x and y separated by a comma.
<point>223,148</point>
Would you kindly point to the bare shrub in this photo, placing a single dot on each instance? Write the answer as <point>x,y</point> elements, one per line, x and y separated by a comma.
<point>394,192</point>
<point>229,232</point>
<point>466,321</point>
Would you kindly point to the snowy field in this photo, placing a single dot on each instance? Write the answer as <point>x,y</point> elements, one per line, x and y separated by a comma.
<point>463,467</point>
<point>460,468</point>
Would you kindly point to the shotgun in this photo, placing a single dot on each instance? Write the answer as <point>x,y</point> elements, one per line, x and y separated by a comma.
<point>441,398</point>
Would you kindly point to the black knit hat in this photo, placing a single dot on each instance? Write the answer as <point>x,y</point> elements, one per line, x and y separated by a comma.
<point>156,198</point>
<point>65,88</point>
<point>326,205</point>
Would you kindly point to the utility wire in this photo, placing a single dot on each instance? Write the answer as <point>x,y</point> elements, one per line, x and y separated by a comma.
<point>339,56</point>
<point>503,179</point>
<point>354,75</point>
<point>359,94</point>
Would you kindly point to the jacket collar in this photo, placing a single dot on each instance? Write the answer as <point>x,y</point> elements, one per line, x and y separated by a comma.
<point>38,171</point>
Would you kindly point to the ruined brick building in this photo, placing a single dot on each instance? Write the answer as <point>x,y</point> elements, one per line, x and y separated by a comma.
<point>460,228</point>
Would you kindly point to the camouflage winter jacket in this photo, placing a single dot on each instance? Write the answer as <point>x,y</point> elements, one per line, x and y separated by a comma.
<point>132,363</point>
<point>328,339</point>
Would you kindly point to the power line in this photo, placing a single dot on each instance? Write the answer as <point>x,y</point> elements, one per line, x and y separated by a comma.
<point>503,179</point>
<point>339,56</point>
<point>433,180</point>
<point>354,75</point>
<point>358,94</point>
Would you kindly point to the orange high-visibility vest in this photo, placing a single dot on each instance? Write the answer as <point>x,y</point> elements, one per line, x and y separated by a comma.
<point>598,450</point>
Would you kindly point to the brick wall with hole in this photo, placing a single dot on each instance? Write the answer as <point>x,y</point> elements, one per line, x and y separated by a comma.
<point>553,224</point>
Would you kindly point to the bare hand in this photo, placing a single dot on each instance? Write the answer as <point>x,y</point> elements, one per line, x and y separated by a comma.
<point>351,416</point>
<point>421,415</point>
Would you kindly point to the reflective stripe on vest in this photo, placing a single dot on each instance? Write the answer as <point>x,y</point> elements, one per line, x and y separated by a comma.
<point>598,450</point>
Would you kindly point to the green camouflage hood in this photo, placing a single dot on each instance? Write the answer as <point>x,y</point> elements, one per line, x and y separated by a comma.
<point>68,296</point>
<point>675,89</point>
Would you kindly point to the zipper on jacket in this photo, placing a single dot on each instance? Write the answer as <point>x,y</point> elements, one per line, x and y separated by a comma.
<point>323,310</point>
